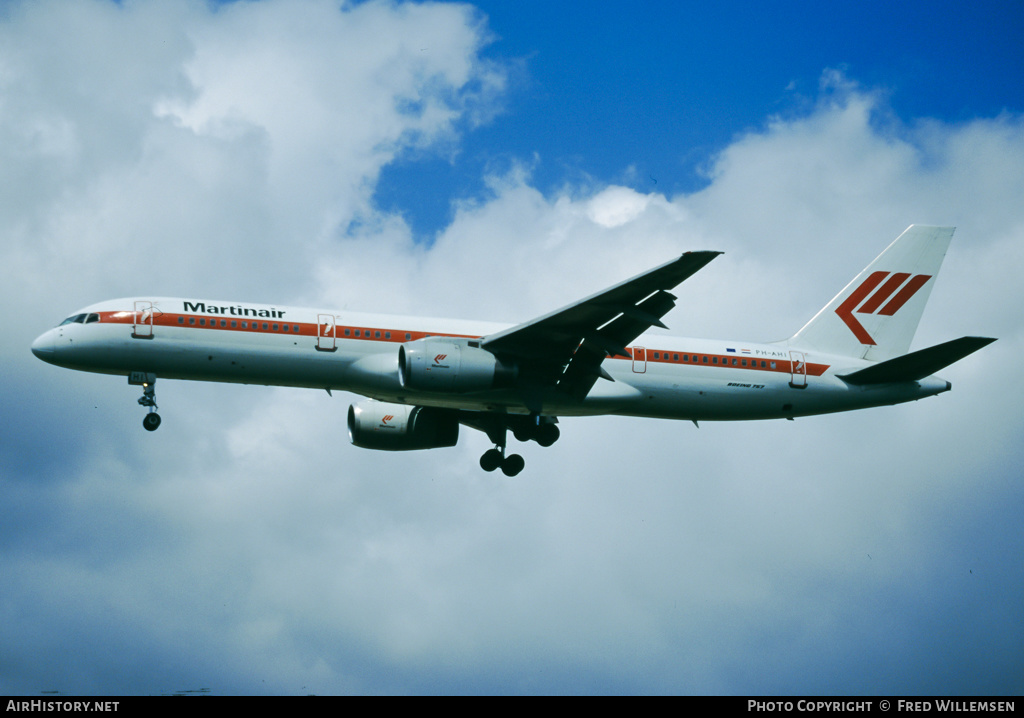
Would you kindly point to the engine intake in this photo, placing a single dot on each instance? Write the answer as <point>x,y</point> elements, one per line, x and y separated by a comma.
<point>432,365</point>
<point>399,427</point>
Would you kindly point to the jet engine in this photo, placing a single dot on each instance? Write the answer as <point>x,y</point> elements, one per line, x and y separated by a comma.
<point>433,365</point>
<point>399,427</point>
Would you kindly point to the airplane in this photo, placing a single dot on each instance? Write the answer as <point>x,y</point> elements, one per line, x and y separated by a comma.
<point>424,378</point>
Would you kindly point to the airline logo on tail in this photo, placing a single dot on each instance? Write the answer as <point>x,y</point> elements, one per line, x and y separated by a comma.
<point>897,289</point>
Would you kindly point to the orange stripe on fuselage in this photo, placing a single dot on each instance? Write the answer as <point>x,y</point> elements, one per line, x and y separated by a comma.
<point>727,361</point>
<point>400,336</point>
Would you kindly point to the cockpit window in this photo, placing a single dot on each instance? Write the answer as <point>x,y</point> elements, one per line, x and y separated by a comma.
<point>81,319</point>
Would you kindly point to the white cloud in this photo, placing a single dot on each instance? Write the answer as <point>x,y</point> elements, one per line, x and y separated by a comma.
<point>248,548</point>
<point>616,206</point>
<point>162,140</point>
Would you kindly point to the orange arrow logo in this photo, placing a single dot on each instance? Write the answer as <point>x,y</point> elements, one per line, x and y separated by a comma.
<point>863,301</point>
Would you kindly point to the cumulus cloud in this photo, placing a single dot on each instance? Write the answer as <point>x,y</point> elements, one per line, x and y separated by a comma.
<point>163,140</point>
<point>246,547</point>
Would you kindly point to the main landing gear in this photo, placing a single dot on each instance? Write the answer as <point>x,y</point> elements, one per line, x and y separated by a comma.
<point>544,433</point>
<point>147,381</point>
<point>494,458</point>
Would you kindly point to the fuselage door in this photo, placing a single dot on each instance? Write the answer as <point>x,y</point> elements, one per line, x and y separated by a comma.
<point>326,333</point>
<point>639,360</point>
<point>798,369</point>
<point>142,323</point>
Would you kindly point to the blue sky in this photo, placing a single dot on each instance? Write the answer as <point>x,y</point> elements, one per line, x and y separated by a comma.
<point>495,162</point>
<point>646,95</point>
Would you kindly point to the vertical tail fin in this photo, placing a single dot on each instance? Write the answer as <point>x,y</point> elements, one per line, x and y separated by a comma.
<point>876,315</point>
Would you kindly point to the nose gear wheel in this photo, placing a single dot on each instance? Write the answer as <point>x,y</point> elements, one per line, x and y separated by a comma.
<point>151,421</point>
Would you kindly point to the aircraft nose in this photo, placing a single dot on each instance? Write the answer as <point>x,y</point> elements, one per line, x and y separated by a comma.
<point>42,347</point>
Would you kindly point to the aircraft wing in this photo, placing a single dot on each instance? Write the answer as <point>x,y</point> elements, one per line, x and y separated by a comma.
<point>566,347</point>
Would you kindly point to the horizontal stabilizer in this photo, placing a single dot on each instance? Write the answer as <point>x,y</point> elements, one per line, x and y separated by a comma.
<point>917,365</point>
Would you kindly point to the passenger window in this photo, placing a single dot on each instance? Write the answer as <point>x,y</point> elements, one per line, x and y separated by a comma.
<point>376,335</point>
<point>275,327</point>
<point>223,322</point>
<point>192,321</point>
<point>264,326</point>
<point>181,320</point>
<point>387,335</point>
<point>234,324</point>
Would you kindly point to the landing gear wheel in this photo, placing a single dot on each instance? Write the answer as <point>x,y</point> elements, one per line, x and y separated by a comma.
<point>547,434</point>
<point>151,421</point>
<point>512,465</point>
<point>491,460</point>
<point>495,458</point>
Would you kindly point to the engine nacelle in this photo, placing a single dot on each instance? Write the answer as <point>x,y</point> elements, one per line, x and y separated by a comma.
<point>399,427</point>
<point>440,366</point>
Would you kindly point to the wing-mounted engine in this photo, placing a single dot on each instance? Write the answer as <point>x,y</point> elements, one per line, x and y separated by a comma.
<point>399,427</point>
<point>447,366</point>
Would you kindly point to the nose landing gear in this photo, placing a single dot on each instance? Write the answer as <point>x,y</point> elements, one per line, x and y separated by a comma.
<point>151,421</point>
<point>147,381</point>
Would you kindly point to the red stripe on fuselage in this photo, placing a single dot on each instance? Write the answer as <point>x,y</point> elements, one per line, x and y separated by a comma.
<point>400,336</point>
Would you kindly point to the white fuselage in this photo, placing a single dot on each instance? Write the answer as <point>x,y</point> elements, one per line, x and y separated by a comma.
<point>662,376</point>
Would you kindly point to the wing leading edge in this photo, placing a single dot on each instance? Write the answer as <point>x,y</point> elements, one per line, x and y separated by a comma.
<point>566,347</point>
